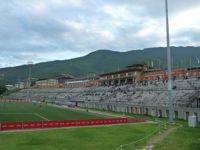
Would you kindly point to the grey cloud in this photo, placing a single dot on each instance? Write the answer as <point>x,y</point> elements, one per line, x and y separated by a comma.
<point>29,29</point>
<point>186,37</point>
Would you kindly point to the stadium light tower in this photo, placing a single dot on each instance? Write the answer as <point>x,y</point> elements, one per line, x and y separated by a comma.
<point>170,100</point>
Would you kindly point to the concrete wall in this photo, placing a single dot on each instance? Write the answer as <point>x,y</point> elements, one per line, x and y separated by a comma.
<point>179,112</point>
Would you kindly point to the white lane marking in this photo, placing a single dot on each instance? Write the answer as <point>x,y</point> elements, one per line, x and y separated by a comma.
<point>41,116</point>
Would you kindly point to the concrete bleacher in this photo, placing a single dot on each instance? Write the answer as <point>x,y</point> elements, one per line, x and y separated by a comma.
<point>150,98</point>
<point>153,93</point>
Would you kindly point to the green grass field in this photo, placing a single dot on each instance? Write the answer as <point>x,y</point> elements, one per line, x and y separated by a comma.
<point>13,112</point>
<point>87,138</point>
<point>183,138</point>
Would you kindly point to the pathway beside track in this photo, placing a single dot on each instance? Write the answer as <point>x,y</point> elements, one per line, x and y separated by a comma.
<point>159,138</point>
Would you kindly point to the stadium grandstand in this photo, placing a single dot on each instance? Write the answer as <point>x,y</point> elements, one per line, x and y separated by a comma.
<point>148,97</point>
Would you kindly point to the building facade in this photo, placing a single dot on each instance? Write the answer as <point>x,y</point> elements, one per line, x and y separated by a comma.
<point>79,83</point>
<point>47,83</point>
<point>62,79</point>
<point>129,75</point>
<point>139,73</point>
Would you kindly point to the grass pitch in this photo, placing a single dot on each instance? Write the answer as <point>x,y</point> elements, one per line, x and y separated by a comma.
<point>184,138</point>
<point>87,138</point>
<point>14,112</point>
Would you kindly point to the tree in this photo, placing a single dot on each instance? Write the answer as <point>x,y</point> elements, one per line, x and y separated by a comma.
<point>2,89</point>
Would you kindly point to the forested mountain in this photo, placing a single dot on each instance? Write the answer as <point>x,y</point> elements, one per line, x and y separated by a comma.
<point>102,61</point>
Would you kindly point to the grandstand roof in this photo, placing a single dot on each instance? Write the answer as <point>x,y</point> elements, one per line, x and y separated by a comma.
<point>136,65</point>
<point>193,68</point>
<point>122,71</point>
<point>64,76</point>
<point>154,70</point>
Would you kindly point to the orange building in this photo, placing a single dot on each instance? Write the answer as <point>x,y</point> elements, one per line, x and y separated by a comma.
<point>194,72</point>
<point>63,78</point>
<point>163,75</point>
<point>140,72</point>
<point>47,83</point>
<point>179,73</point>
<point>129,75</point>
<point>154,75</point>
<point>84,82</point>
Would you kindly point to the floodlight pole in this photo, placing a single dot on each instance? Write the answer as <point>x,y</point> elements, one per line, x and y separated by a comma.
<point>170,100</point>
<point>29,81</point>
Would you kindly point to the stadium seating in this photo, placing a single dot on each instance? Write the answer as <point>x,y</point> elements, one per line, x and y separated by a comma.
<point>154,93</point>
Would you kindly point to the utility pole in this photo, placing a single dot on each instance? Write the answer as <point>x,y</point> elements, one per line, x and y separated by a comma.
<point>29,80</point>
<point>170,100</point>
<point>159,64</point>
<point>190,66</point>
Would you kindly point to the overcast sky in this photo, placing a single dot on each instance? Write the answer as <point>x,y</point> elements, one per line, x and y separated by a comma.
<point>44,30</point>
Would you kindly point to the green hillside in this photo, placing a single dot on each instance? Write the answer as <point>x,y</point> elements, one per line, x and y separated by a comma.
<point>102,61</point>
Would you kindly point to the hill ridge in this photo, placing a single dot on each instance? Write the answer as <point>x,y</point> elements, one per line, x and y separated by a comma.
<point>102,60</point>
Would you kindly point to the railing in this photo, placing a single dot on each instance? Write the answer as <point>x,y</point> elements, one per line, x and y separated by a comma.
<point>121,147</point>
<point>193,98</point>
